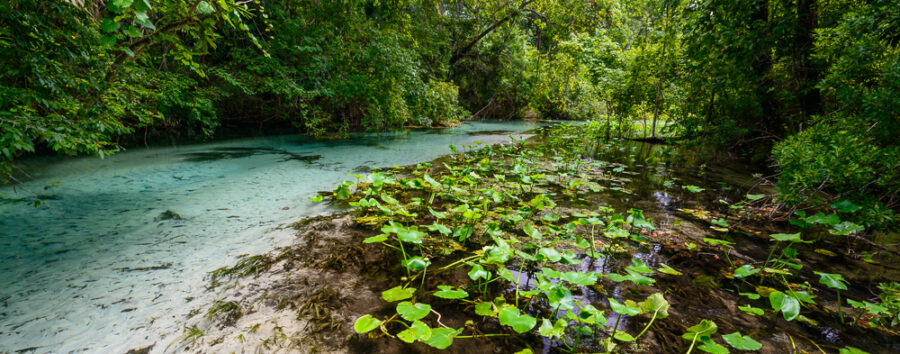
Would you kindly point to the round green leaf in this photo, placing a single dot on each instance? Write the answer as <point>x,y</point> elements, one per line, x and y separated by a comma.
<point>397,293</point>
<point>447,292</point>
<point>520,323</point>
<point>412,312</point>
<point>366,323</point>
<point>418,331</point>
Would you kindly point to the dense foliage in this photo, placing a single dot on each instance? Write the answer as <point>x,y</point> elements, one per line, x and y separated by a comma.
<point>812,85</point>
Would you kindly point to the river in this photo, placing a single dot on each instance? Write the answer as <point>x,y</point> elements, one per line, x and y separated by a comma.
<point>116,254</point>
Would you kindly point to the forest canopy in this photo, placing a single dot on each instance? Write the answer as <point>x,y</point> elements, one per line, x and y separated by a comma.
<point>812,87</point>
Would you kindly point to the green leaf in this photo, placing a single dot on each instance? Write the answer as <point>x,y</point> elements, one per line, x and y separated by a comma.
<point>623,336</point>
<point>712,347</point>
<point>416,264</point>
<point>418,331</point>
<point>478,272</point>
<point>530,230</point>
<point>447,292</point>
<point>579,278</point>
<point>752,310</point>
<point>119,6</point>
<point>717,242</point>
<point>412,312</point>
<point>142,5</point>
<point>521,323</point>
<point>411,235</point>
<point>846,228</point>
<point>376,239</point>
<point>484,309</point>
<point>755,196</point>
<point>788,305</point>
<point>205,8</point>
<point>624,308</point>
<point>831,280</point>
<point>656,303</point>
<point>397,293</point>
<point>141,18</point>
<point>443,230</point>
<point>846,206</point>
<point>871,308</point>
<point>441,338</point>
<point>852,350</point>
<point>316,199</point>
<point>551,254</point>
<point>751,296</point>
<point>553,330</point>
<point>109,25</point>
<point>744,271</point>
<point>366,323</point>
<point>664,268</point>
<point>739,342</point>
<point>702,330</point>
<point>787,237</point>
<point>693,188</point>
<point>132,31</point>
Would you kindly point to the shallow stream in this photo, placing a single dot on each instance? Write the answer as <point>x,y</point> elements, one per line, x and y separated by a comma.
<point>115,256</point>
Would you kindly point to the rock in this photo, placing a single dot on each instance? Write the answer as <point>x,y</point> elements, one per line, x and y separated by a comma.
<point>168,215</point>
<point>141,350</point>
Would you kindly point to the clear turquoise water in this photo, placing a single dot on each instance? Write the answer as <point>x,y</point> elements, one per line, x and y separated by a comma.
<point>95,269</point>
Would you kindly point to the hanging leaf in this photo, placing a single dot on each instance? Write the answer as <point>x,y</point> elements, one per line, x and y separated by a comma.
<point>832,280</point>
<point>701,331</point>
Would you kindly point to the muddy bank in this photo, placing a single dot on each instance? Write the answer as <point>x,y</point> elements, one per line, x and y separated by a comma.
<point>304,298</point>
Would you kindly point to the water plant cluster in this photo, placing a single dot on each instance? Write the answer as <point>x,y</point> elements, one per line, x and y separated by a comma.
<point>522,222</point>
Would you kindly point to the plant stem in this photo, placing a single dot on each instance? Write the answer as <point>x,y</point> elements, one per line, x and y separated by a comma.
<point>692,343</point>
<point>648,325</point>
<point>404,258</point>
<point>519,280</point>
